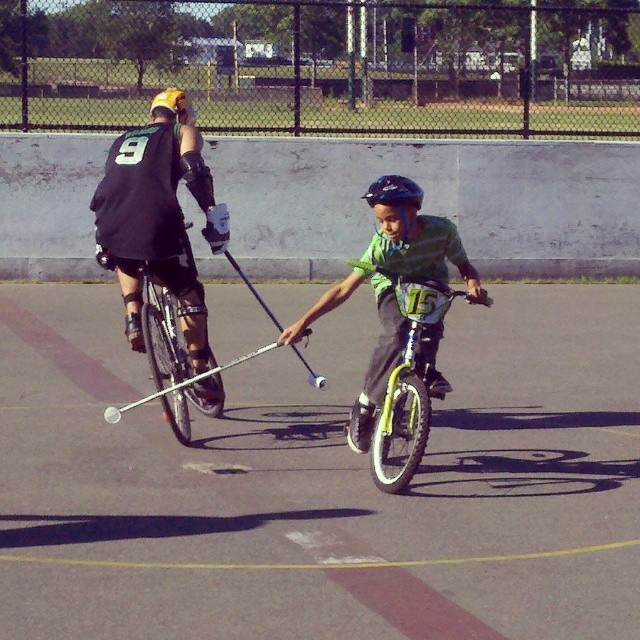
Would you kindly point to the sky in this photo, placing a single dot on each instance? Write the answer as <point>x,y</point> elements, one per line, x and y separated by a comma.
<point>199,9</point>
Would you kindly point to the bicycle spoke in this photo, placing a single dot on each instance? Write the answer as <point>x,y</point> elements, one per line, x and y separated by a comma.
<point>166,372</point>
<point>396,455</point>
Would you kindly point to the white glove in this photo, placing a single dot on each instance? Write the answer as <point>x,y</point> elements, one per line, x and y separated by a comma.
<point>217,231</point>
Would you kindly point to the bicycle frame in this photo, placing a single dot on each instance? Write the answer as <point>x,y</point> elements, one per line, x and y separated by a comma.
<point>409,361</point>
<point>161,301</point>
<point>402,428</point>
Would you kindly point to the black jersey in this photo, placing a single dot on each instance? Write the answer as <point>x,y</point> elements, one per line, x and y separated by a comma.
<point>137,212</point>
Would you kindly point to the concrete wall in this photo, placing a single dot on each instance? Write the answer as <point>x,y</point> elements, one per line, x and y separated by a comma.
<point>524,209</point>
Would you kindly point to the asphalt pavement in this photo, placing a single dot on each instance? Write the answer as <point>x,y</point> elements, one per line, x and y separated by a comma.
<point>522,522</point>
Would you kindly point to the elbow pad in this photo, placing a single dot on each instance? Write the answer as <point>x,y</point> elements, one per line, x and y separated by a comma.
<point>198,178</point>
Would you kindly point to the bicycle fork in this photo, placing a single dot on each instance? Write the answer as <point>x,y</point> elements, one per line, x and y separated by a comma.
<point>408,362</point>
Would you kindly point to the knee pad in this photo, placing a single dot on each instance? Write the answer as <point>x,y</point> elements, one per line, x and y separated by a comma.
<point>192,310</point>
<point>192,286</point>
<point>132,297</point>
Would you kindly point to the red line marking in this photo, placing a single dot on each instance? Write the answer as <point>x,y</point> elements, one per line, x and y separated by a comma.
<point>411,606</point>
<point>79,368</point>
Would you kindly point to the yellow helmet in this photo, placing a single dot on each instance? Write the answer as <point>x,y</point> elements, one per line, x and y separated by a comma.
<point>176,101</point>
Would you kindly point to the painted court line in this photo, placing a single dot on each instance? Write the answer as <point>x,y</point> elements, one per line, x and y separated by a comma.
<point>238,566</point>
<point>79,368</point>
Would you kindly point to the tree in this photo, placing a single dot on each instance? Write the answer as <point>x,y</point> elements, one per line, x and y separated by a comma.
<point>322,27</point>
<point>616,26</point>
<point>11,25</point>
<point>145,33</point>
<point>9,19</point>
<point>77,31</point>
<point>559,31</point>
<point>633,33</point>
<point>456,30</point>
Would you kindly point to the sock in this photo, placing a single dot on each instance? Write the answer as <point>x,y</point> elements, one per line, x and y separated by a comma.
<point>363,399</point>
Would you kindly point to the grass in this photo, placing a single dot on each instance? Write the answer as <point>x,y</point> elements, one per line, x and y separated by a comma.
<point>388,118</point>
<point>77,113</point>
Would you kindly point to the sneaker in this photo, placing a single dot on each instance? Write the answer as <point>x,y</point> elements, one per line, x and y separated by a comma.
<point>437,385</point>
<point>360,427</point>
<point>133,331</point>
<point>208,390</point>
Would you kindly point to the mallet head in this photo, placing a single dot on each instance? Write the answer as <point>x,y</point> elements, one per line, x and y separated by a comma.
<point>317,381</point>
<point>112,415</point>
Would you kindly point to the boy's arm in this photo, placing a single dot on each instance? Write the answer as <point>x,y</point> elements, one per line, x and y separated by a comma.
<point>331,299</point>
<point>472,279</point>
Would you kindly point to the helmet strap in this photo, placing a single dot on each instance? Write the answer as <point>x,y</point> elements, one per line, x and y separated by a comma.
<point>396,245</point>
<point>405,225</point>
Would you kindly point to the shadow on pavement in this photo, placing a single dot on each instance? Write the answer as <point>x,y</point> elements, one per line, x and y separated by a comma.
<point>522,473</point>
<point>54,530</point>
<point>306,425</point>
<point>508,418</point>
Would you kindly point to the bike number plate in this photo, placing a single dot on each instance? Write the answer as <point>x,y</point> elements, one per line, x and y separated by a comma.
<point>421,302</point>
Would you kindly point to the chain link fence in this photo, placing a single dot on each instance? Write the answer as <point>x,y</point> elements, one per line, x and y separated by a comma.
<point>326,68</point>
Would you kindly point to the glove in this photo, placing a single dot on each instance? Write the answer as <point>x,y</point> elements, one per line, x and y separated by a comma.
<point>216,233</point>
<point>104,258</point>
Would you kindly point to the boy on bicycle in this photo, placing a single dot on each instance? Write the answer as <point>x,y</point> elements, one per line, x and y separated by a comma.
<point>409,244</point>
<point>140,224</point>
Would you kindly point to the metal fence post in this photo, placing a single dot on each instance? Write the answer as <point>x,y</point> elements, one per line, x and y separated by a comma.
<point>525,80</point>
<point>296,69</point>
<point>364,72</point>
<point>24,19</point>
<point>351,56</point>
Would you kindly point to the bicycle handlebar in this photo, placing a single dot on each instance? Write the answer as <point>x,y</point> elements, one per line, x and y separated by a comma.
<point>438,286</point>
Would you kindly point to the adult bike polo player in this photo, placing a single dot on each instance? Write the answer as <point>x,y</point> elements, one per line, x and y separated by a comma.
<point>140,224</point>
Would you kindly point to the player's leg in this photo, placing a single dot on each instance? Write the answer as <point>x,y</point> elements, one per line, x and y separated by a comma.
<point>130,281</point>
<point>437,385</point>
<point>180,276</point>
<point>385,357</point>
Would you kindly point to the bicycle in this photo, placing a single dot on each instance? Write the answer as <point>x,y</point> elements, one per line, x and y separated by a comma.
<point>403,424</point>
<point>170,362</point>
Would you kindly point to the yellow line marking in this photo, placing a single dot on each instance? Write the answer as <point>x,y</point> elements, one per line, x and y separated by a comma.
<point>307,567</point>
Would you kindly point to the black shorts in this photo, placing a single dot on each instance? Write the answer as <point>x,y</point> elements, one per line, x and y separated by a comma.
<point>178,273</point>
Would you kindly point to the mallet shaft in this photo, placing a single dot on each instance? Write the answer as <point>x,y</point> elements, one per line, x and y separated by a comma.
<point>263,304</point>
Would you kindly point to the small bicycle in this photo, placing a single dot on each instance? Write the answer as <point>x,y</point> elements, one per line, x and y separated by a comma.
<point>170,362</point>
<point>402,426</point>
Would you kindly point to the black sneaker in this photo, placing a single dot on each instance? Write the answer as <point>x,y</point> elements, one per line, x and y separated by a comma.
<point>208,390</point>
<point>133,331</point>
<point>437,385</point>
<point>360,427</point>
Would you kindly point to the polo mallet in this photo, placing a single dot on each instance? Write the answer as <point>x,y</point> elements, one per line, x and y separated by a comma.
<point>313,379</point>
<point>113,415</point>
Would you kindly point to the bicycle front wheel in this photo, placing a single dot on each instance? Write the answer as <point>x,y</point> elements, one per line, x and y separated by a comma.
<point>166,372</point>
<point>396,455</point>
<point>210,408</point>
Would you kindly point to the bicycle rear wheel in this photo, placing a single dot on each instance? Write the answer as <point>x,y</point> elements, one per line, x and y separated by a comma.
<point>395,456</point>
<point>166,372</point>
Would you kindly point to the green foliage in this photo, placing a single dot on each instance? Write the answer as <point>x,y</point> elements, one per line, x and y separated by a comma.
<point>274,23</point>
<point>143,33</point>
<point>9,16</point>
<point>11,34</point>
<point>633,33</point>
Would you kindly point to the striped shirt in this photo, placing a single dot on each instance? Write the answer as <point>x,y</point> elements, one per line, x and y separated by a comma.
<point>423,257</point>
